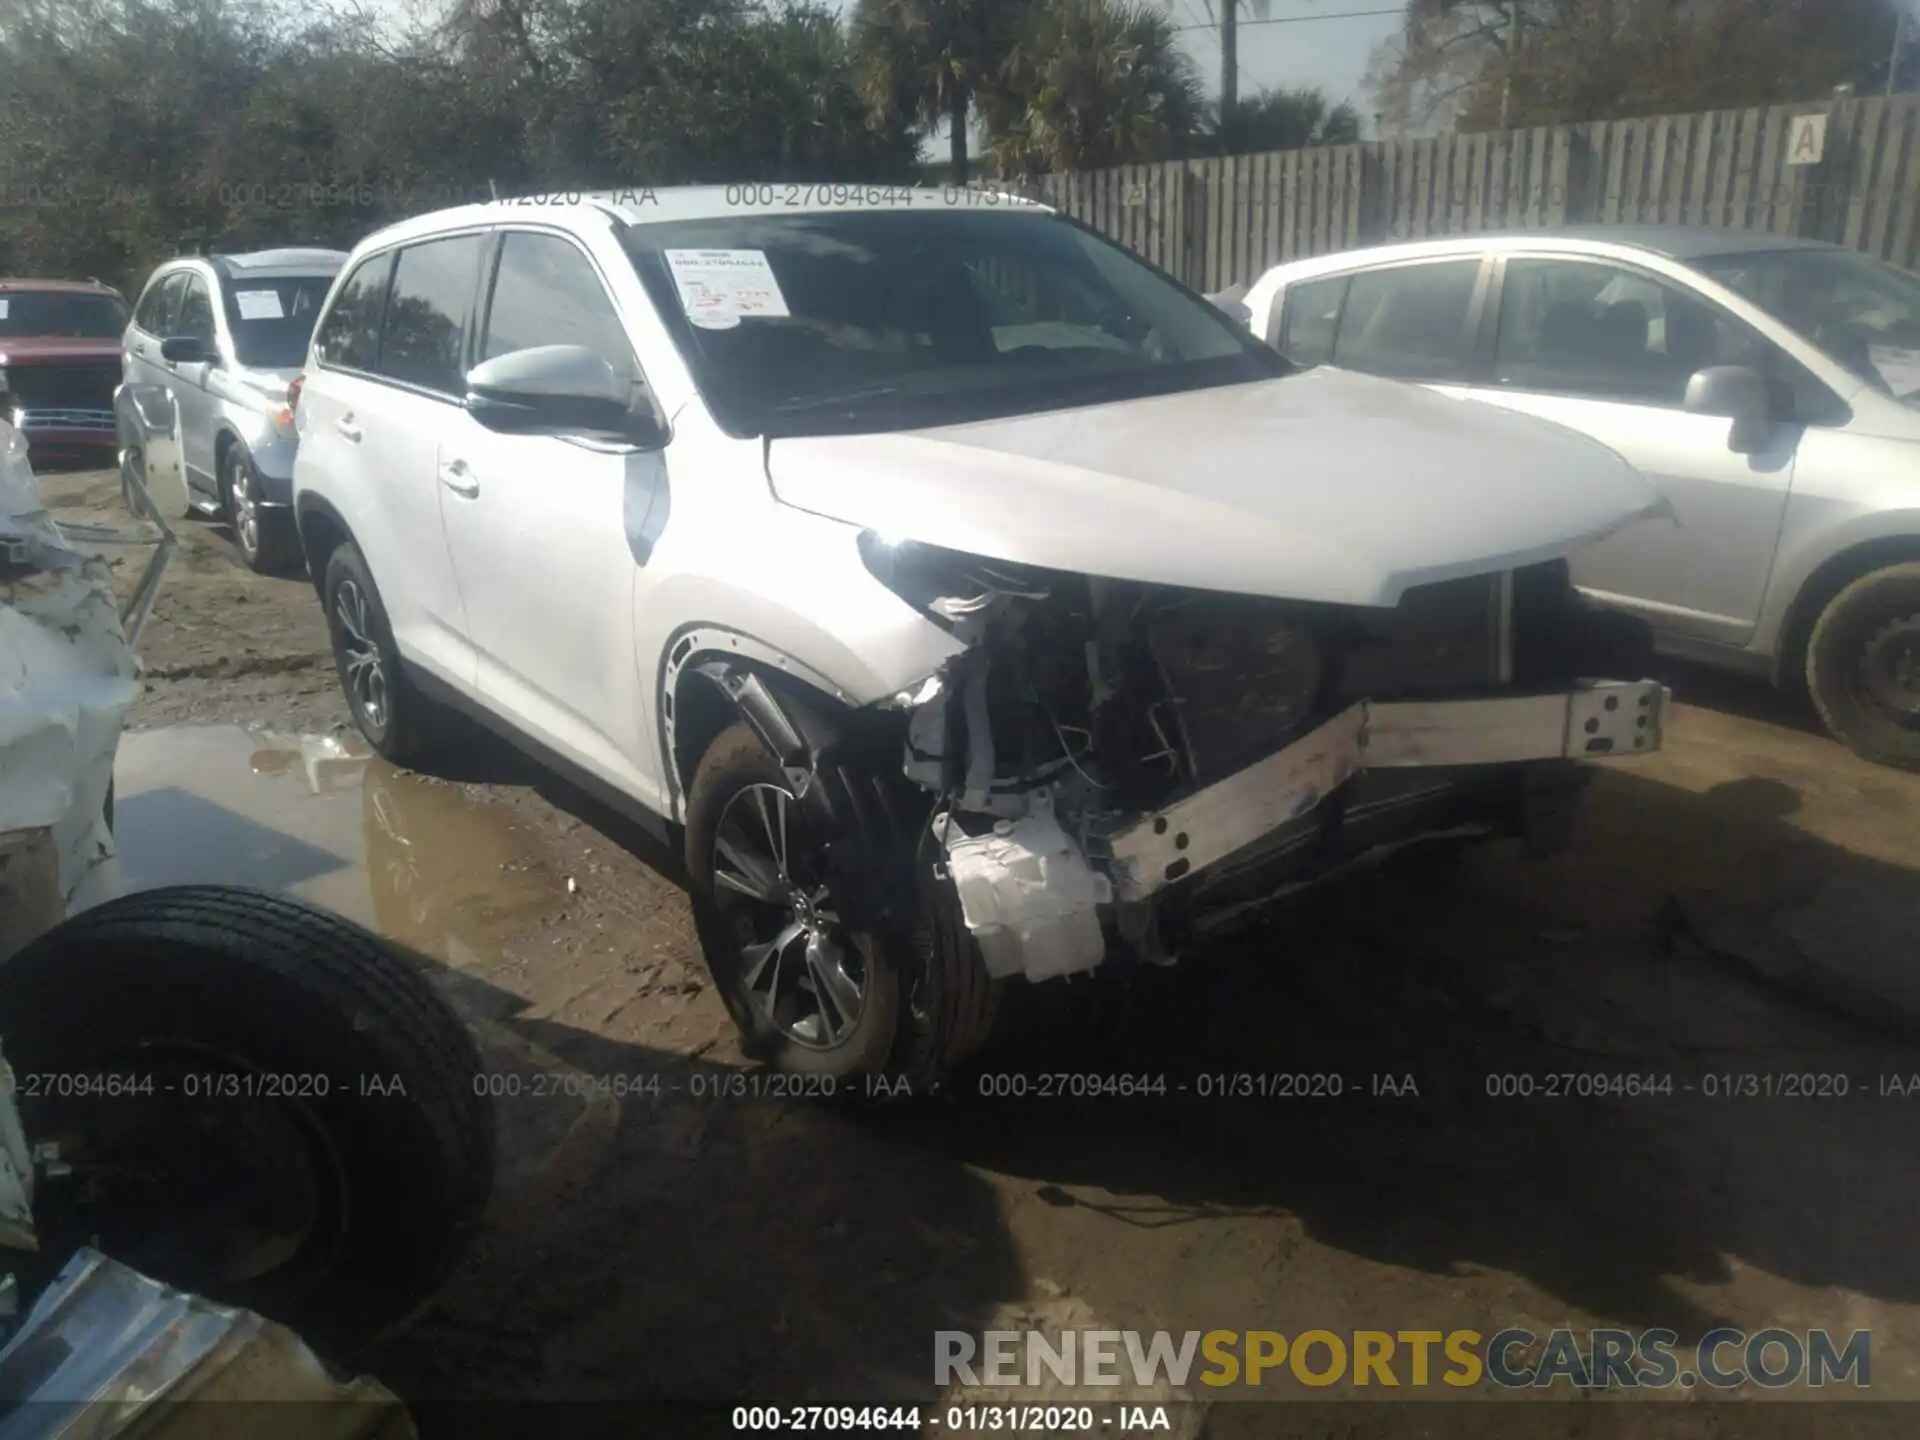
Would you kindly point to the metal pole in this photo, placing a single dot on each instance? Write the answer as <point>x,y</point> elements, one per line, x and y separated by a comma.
<point>1899,38</point>
<point>1229,55</point>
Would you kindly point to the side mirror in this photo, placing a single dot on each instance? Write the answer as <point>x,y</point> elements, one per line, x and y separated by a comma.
<point>1232,303</point>
<point>187,350</point>
<point>1740,394</point>
<point>558,390</point>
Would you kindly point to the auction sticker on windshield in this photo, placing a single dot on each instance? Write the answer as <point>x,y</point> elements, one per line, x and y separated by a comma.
<point>259,304</point>
<point>3,308</point>
<point>720,288</point>
<point>1898,366</point>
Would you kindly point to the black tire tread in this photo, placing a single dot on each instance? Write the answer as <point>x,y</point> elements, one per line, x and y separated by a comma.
<point>343,966</point>
<point>278,553</point>
<point>1838,710</point>
<point>413,722</point>
<point>932,947</point>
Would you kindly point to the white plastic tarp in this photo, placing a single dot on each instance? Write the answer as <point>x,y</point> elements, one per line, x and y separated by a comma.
<point>67,680</point>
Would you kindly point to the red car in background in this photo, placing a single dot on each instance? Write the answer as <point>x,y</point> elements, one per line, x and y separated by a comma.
<point>59,364</point>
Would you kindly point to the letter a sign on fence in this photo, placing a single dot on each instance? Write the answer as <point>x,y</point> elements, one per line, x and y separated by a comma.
<point>1806,139</point>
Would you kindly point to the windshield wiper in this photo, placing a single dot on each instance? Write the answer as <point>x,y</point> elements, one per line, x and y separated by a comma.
<point>803,403</point>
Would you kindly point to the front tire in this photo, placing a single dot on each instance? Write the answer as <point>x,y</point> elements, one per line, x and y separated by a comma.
<point>809,993</point>
<point>394,716</point>
<point>265,538</point>
<point>1863,666</point>
<point>256,1099</point>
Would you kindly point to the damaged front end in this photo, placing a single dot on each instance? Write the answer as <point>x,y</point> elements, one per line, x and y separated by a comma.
<point>1119,767</point>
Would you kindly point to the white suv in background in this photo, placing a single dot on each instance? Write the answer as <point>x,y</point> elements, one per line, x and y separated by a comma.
<point>971,599</point>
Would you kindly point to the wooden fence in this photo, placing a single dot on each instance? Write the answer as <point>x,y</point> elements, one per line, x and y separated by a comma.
<point>1221,221</point>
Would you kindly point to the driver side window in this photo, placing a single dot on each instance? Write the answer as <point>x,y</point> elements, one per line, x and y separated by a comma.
<point>196,312</point>
<point>545,292</point>
<point>161,304</point>
<point>1602,331</point>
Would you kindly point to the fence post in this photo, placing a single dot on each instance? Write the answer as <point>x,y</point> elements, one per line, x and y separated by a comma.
<point>1586,177</point>
<point>1193,196</point>
<point>1374,210</point>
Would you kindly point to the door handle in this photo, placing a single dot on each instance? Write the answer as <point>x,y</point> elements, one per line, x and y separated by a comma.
<point>458,478</point>
<point>347,431</point>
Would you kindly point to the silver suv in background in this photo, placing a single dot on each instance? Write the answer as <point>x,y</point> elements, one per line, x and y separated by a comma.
<point>1769,386</point>
<point>207,358</point>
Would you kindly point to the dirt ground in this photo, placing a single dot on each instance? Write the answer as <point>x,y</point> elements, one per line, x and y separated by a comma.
<point>1743,904</point>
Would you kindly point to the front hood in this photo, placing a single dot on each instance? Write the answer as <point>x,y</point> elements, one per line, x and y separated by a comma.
<point>1324,486</point>
<point>27,349</point>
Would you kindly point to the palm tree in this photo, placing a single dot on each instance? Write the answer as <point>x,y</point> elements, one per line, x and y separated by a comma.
<point>1284,120</point>
<point>933,59</point>
<point>1090,84</point>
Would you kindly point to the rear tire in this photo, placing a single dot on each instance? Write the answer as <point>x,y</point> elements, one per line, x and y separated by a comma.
<point>227,1039</point>
<point>397,720</point>
<point>1863,666</point>
<point>264,537</point>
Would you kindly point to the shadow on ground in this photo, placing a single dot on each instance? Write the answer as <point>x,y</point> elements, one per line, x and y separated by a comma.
<point>711,1245</point>
<point>1750,697</point>
<point>781,1250</point>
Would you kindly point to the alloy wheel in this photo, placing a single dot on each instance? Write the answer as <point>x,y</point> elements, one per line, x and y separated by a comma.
<point>246,506</point>
<point>800,968</point>
<point>361,667</point>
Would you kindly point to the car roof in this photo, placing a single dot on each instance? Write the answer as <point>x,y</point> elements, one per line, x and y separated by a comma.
<point>265,264</point>
<point>1682,243</point>
<point>60,287</point>
<point>644,205</point>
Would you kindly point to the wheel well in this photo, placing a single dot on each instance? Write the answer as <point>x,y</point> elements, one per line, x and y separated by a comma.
<point>774,701</point>
<point>1833,576</point>
<point>320,535</point>
<point>222,444</point>
<point>701,710</point>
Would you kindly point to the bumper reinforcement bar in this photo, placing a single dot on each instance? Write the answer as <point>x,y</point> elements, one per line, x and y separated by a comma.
<point>1596,719</point>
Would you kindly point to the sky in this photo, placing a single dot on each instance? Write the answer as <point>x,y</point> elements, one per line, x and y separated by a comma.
<point>1327,43</point>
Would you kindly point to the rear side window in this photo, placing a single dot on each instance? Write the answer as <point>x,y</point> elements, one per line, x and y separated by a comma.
<point>546,292</point>
<point>1409,322</point>
<point>1310,312</point>
<point>426,318</point>
<point>350,335</point>
<point>196,312</point>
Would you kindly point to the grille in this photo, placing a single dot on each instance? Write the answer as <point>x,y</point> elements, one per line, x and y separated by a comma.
<point>1440,639</point>
<point>85,385</point>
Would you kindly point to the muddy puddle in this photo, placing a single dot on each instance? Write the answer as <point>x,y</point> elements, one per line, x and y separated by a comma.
<point>323,818</point>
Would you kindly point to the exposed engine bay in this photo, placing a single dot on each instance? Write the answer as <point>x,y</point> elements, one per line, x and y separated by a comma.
<point>1099,741</point>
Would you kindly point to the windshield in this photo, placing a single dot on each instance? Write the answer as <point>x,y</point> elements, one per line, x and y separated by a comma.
<point>70,314</point>
<point>890,320</point>
<point>1863,313</point>
<point>271,320</point>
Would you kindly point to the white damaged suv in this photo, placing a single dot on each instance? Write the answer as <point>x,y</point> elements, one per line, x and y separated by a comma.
<point>969,599</point>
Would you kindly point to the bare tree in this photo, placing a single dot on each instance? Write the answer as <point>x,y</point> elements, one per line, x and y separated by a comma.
<point>1485,64</point>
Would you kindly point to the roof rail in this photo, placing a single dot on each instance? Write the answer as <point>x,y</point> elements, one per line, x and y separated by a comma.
<point>605,207</point>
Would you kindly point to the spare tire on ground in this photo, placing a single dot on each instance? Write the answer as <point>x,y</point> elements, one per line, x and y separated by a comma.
<point>254,1099</point>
